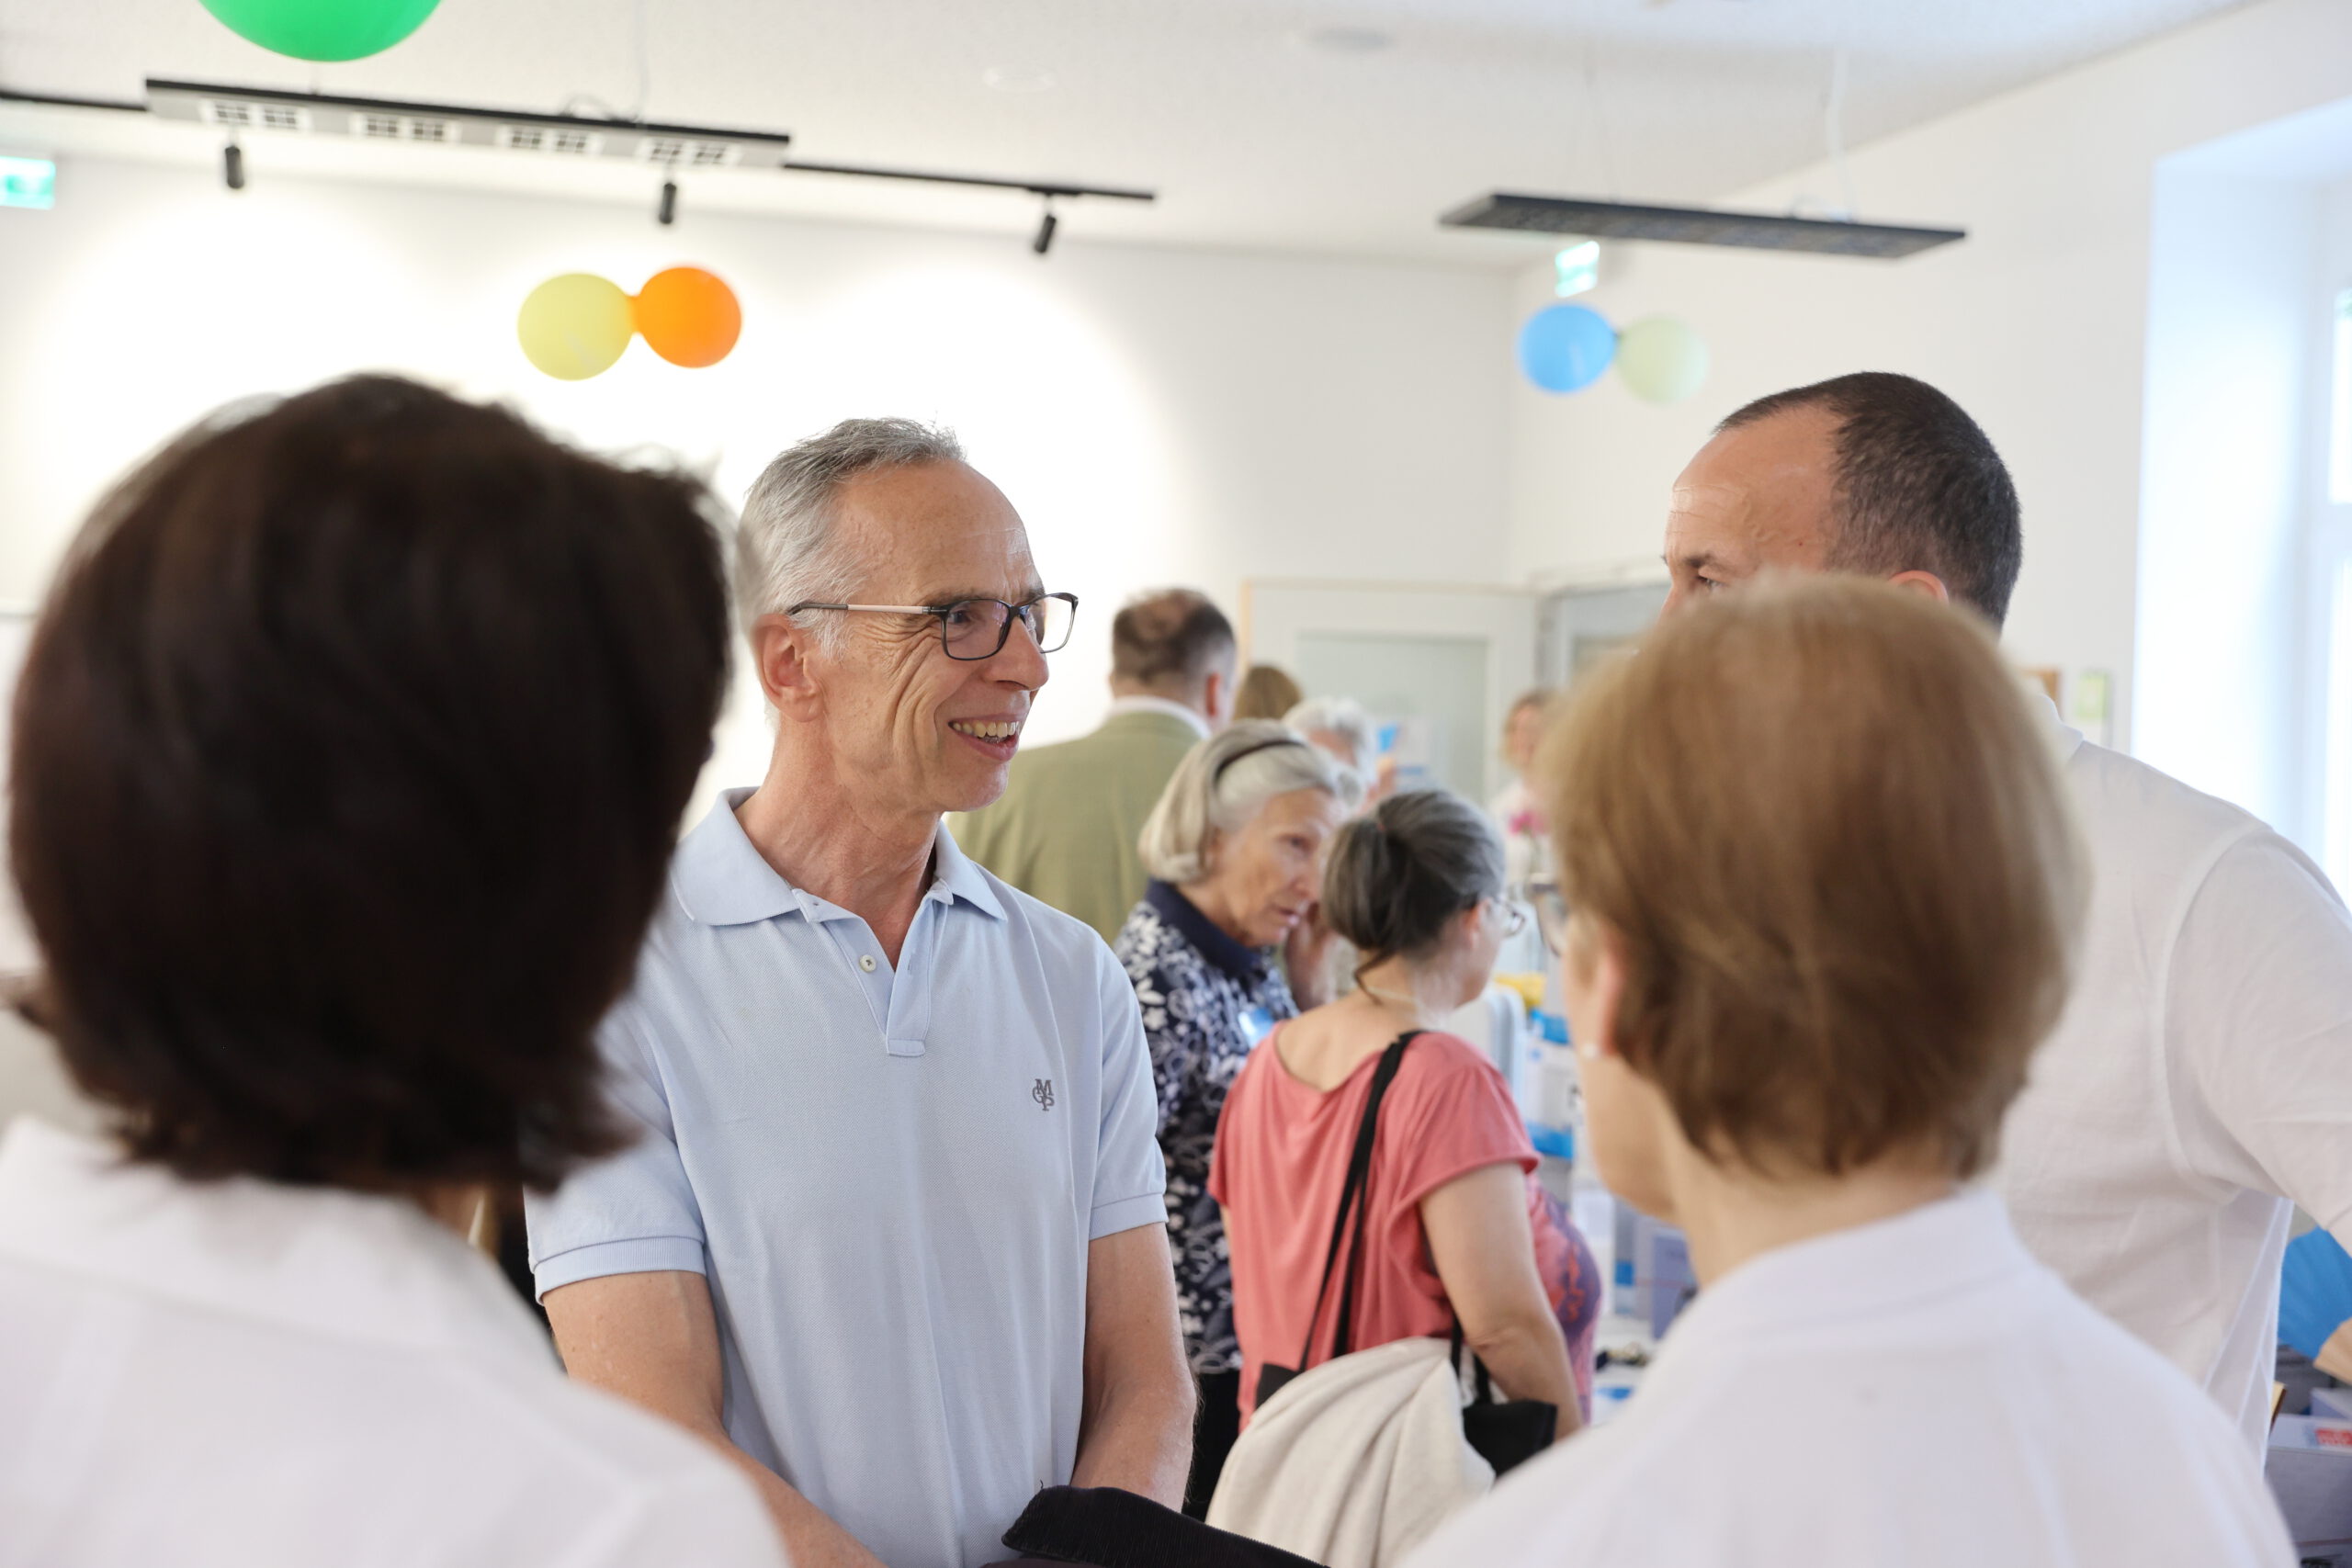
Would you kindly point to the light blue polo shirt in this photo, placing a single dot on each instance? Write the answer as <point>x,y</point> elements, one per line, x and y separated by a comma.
<point>889,1178</point>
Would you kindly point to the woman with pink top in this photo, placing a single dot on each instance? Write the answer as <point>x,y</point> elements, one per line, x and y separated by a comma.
<point>1458,1232</point>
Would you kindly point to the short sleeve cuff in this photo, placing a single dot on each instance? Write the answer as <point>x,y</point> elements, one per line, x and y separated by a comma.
<point>1438,1176</point>
<point>640,1255</point>
<point>1126,1215</point>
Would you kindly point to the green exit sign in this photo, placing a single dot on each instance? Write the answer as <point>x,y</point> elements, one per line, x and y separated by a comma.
<point>28,181</point>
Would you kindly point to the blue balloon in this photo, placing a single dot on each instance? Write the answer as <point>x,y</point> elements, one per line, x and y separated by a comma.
<point>1564,348</point>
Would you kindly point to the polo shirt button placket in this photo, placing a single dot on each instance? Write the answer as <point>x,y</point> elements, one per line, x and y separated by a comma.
<point>865,962</point>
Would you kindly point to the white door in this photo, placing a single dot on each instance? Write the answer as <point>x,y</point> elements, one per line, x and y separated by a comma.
<point>1437,666</point>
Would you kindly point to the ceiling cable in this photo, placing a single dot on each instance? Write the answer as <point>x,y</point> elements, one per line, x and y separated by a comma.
<point>1599,113</point>
<point>1834,131</point>
<point>644,66</point>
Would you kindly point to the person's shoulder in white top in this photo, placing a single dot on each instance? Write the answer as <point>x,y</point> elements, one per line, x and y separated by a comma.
<point>251,1375</point>
<point>1917,1391</point>
<point>2199,1078</point>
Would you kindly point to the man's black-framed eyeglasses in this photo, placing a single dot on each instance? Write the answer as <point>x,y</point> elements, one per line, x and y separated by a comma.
<point>974,629</point>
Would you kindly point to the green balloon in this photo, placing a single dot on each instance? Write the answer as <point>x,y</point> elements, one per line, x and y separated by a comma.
<point>1661,360</point>
<point>323,30</point>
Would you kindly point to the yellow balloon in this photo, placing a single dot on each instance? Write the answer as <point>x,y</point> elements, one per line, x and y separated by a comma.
<point>575,326</point>
<point>1661,359</point>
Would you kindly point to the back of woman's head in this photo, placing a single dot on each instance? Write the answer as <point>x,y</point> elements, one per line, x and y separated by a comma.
<point>348,754</point>
<point>1828,839</point>
<point>1396,876</point>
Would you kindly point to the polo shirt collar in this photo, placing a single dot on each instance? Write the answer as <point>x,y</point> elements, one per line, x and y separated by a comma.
<point>721,879</point>
<point>955,875</point>
<point>1245,965</point>
<point>1190,717</point>
<point>320,1261</point>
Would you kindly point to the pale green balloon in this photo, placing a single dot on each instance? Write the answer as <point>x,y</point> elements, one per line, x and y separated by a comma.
<point>575,326</point>
<point>1661,359</point>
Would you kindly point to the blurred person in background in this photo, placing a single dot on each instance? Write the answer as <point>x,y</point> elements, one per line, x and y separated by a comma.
<point>1235,847</point>
<point>1267,692</point>
<point>1342,730</point>
<point>1064,829</point>
<point>890,1235</point>
<point>1459,1231</point>
<point>2199,1086</point>
<point>1321,966</point>
<point>1517,812</point>
<point>1828,889</point>
<point>348,756</point>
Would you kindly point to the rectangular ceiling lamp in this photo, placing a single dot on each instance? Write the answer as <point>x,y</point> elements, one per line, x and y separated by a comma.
<point>1693,226</point>
<point>239,110</point>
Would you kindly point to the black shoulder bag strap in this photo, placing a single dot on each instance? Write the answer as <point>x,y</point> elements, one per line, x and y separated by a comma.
<point>1354,1198</point>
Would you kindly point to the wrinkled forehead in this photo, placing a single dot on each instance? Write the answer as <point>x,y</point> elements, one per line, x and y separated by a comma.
<point>927,532</point>
<point>1758,495</point>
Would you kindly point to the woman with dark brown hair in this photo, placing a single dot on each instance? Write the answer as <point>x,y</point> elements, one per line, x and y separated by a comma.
<point>348,753</point>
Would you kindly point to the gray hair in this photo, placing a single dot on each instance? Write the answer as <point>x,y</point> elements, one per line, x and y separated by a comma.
<point>1224,782</point>
<point>1343,717</point>
<point>784,550</point>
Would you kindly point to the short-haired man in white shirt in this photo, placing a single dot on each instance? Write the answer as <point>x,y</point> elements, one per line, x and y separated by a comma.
<point>2201,1080</point>
<point>891,1233</point>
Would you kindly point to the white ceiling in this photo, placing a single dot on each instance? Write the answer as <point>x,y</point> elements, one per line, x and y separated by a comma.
<point>1253,136</point>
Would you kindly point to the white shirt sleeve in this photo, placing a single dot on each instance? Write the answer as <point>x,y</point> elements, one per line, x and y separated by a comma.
<point>712,1520</point>
<point>631,1213</point>
<point>2258,1019</point>
<point>1130,1174</point>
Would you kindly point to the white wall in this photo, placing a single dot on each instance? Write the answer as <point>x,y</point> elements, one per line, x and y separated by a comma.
<point>1158,415</point>
<point>2234,318</point>
<point>2035,323</point>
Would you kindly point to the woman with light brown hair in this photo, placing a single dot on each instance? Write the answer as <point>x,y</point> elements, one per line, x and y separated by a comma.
<point>1827,891</point>
<point>1266,691</point>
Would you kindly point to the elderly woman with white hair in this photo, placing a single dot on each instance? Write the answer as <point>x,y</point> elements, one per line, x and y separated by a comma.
<point>1235,849</point>
<point>1341,728</point>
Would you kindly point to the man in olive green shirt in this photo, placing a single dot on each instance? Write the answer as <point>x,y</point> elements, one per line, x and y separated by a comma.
<point>1064,829</point>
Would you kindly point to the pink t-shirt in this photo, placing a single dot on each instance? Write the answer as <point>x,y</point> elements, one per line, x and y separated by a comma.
<point>1282,1157</point>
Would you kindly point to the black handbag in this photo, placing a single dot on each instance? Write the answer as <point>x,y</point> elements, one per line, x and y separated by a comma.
<point>1505,1433</point>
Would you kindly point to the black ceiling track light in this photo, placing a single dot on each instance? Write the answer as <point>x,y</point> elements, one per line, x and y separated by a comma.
<point>672,148</point>
<point>1694,226</point>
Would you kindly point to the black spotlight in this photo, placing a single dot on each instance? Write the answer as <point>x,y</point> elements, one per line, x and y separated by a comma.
<point>233,166</point>
<point>667,213</point>
<point>1046,227</point>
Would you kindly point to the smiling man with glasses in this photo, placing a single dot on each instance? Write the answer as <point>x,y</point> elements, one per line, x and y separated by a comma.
<point>890,1233</point>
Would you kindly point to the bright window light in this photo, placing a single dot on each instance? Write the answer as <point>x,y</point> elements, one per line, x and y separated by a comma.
<point>28,181</point>
<point>1578,267</point>
<point>2336,819</point>
<point>2339,411</point>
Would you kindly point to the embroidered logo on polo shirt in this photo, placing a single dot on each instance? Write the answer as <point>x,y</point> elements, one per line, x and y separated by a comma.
<point>1044,1094</point>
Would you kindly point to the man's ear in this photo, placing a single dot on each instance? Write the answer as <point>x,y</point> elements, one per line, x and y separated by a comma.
<point>1216,699</point>
<point>1926,582</point>
<point>781,653</point>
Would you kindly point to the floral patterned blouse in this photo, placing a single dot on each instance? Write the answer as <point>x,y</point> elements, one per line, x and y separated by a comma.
<point>1206,1002</point>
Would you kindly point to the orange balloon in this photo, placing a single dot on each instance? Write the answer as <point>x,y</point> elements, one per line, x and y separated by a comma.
<point>688,317</point>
